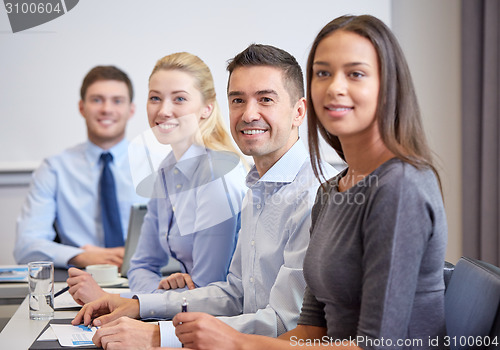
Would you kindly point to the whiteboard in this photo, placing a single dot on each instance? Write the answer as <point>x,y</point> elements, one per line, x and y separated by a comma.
<point>41,69</point>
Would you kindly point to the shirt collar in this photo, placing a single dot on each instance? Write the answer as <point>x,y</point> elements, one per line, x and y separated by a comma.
<point>285,169</point>
<point>93,152</point>
<point>189,161</point>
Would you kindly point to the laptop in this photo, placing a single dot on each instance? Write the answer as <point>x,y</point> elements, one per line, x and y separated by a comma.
<point>137,212</point>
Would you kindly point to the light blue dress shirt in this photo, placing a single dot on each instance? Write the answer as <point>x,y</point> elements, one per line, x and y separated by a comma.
<point>194,216</point>
<point>265,285</point>
<point>66,188</point>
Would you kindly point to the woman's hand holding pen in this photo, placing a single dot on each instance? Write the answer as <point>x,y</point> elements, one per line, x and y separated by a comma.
<point>198,330</point>
<point>108,308</point>
<point>82,287</point>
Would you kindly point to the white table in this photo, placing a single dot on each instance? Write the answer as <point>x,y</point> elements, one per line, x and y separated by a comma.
<point>21,332</point>
<point>14,290</point>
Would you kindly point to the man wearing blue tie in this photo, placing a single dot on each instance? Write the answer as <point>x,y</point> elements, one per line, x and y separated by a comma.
<point>78,207</point>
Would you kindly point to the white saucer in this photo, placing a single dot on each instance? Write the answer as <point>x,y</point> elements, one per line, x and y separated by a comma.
<point>118,282</point>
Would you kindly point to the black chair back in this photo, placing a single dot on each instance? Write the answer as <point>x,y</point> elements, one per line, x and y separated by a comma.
<point>472,302</point>
<point>448,271</point>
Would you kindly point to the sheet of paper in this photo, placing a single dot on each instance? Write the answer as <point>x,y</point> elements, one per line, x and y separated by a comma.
<point>116,290</point>
<point>73,336</point>
<point>66,301</point>
<point>48,335</point>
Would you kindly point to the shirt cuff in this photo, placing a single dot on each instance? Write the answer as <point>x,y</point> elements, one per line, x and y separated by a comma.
<point>64,254</point>
<point>167,335</point>
<point>152,306</point>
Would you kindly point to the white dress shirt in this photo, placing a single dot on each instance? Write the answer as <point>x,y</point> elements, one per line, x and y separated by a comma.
<point>265,285</point>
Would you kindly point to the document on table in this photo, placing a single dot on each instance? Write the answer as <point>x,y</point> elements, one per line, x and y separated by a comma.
<point>66,301</point>
<point>69,335</point>
<point>47,335</point>
<point>60,334</point>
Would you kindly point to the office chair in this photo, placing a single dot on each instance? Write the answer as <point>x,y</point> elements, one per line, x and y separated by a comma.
<point>447,272</point>
<point>472,302</point>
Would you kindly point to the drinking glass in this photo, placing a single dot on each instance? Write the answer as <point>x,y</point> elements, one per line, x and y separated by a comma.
<point>41,290</point>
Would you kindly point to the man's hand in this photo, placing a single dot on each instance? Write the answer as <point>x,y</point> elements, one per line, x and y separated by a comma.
<point>201,331</point>
<point>82,287</point>
<point>126,333</point>
<point>93,255</point>
<point>106,309</point>
<point>177,280</point>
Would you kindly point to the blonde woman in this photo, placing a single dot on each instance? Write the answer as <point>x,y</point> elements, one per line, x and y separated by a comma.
<point>194,215</point>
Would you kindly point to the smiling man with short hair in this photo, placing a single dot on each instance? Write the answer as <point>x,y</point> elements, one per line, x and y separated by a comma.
<point>265,285</point>
<point>66,193</point>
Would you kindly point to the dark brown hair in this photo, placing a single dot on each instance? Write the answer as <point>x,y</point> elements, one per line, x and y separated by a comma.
<point>267,55</point>
<point>397,114</point>
<point>105,73</point>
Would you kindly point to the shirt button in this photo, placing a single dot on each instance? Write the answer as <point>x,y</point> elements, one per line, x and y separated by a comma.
<point>176,171</point>
<point>251,279</point>
<point>259,206</point>
<point>252,243</point>
<point>178,186</point>
<point>173,208</point>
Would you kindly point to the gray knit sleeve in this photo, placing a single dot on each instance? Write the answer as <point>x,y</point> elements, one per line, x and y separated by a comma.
<point>313,313</point>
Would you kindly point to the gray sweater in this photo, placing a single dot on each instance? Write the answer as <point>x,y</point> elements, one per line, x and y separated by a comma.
<point>374,266</point>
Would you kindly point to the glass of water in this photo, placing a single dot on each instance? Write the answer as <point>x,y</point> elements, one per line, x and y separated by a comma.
<point>41,286</point>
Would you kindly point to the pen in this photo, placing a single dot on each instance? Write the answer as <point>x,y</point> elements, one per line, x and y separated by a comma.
<point>65,289</point>
<point>184,308</point>
<point>184,305</point>
<point>89,326</point>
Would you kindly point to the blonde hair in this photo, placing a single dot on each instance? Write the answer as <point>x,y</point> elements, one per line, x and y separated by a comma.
<point>212,129</point>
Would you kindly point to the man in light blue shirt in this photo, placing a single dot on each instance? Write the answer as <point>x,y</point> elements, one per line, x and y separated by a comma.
<point>265,285</point>
<point>64,191</point>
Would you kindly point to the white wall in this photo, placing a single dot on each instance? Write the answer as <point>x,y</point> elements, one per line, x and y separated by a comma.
<point>429,32</point>
<point>41,69</point>
<point>11,200</point>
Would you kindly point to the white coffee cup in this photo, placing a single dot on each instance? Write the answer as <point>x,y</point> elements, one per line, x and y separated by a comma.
<point>103,273</point>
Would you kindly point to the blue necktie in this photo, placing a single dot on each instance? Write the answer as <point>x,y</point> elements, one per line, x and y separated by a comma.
<point>111,223</point>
